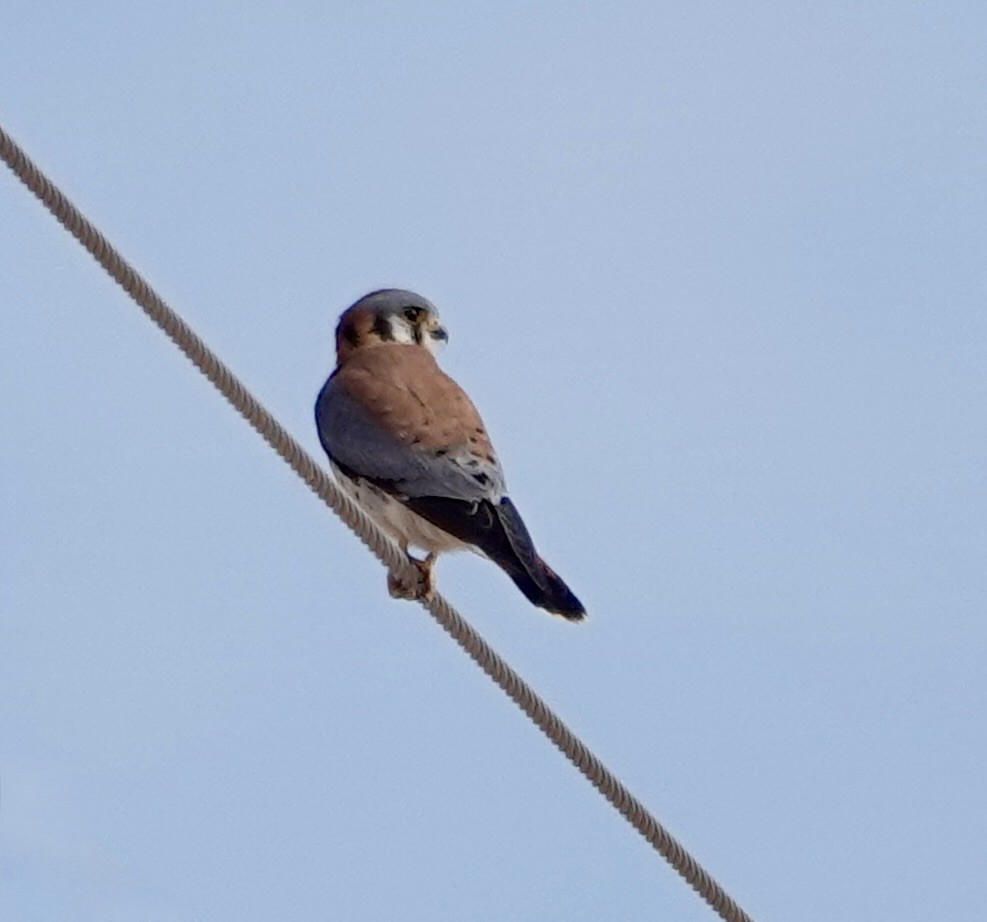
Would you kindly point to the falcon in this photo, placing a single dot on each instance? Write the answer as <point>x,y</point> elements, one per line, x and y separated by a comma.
<point>409,447</point>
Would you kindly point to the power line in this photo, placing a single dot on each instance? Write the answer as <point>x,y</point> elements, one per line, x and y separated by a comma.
<point>383,548</point>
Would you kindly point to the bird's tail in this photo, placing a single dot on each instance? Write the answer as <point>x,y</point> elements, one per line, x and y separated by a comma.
<point>497,531</point>
<point>544,587</point>
<point>536,579</point>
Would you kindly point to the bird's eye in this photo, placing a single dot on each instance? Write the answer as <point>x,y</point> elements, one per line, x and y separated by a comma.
<point>413,313</point>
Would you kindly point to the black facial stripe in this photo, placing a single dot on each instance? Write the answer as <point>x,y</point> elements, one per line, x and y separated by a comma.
<point>382,327</point>
<point>350,334</point>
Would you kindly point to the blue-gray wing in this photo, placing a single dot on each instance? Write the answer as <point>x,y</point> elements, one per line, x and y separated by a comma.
<point>388,437</point>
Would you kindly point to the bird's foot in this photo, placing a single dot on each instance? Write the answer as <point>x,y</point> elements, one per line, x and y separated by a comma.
<point>422,587</point>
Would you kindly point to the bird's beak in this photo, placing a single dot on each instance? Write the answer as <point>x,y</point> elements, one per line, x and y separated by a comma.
<point>440,334</point>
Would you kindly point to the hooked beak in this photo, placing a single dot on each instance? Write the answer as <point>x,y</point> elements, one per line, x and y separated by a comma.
<point>440,334</point>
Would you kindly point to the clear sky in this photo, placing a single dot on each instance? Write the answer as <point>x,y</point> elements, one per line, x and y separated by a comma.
<point>716,279</point>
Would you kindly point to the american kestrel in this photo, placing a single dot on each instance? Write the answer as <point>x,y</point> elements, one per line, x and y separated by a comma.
<point>408,445</point>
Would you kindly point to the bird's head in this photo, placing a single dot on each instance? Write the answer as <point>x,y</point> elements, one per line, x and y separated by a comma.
<point>389,316</point>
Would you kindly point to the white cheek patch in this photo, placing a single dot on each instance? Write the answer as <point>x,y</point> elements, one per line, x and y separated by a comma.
<point>402,332</point>
<point>432,344</point>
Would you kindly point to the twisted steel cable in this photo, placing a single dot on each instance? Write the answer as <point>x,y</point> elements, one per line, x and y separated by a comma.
<point>382,547</point>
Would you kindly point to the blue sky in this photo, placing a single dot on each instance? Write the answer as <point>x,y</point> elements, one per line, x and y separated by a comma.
<point>715,278</point>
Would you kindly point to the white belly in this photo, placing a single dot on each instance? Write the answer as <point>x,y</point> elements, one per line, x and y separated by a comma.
<point>393,518</point>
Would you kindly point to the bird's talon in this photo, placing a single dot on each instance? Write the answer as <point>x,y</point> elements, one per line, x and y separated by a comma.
<point>399,589</point>
<point>423,588</point>
<point>426,580</point>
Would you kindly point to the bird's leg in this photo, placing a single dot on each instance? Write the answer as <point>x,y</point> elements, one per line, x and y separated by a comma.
<point>424,586</point>
<point>427,583</point>
<point>397,587</point>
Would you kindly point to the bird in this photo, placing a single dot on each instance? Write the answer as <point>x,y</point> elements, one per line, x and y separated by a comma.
<point>409,447</point>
